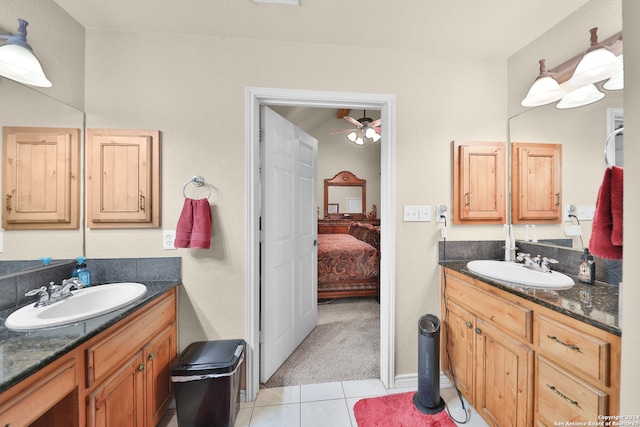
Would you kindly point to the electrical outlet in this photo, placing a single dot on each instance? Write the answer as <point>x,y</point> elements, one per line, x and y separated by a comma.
<point>567,210</point>
<point>168,239</point>
<point>441,213</point>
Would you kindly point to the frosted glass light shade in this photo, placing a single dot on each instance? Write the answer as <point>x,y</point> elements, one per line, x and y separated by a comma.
<point>596,65</point>
<point>544,90</point>
<point>351,136</point>
<point>20,64</point>
<point>617,81</point>
<point>582,96</point>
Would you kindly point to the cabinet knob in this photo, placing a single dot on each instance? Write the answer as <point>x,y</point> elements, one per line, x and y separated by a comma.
<point>469,325</point>
<point>141,367</point>
<point>152,356</point>
<point>478,331</point>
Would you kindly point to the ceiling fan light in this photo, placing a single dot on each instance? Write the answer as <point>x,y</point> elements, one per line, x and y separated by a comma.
<point>582,96</point>
<point>370,132</point>
<point>617,81</point>
<point>351,136</point>
<point>359,141</point>
<point>376,137</point>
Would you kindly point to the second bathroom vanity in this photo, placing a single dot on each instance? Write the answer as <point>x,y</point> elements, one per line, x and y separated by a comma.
<point>526,357</point>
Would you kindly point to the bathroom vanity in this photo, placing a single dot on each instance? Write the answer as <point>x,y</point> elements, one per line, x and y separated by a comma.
<point>113,369</point>
<point>528,357</point>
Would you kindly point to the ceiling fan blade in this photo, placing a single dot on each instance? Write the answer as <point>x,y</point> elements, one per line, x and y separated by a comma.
<point>376,123</point>
<point>343,131</point>
<point>353,121</point>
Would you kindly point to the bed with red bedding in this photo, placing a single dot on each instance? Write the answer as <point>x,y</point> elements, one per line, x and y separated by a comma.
<point>349,264</point>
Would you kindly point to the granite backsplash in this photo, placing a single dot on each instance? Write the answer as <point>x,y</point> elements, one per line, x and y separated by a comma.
<point>608,271</point>
<point>103,270</point>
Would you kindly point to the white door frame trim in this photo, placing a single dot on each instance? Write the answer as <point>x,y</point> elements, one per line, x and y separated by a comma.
<point>255,97</point>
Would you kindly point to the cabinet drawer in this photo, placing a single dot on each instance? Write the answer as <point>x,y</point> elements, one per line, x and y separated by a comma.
<point>108,354</point>
<point>562,396</point>
<point>583,352</point>
<point>509,317</point>
<point>28,406</point>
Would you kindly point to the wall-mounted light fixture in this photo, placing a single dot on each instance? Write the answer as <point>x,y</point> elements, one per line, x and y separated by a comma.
<point>17,61</point>
<point>597,64</point>
<point>544,90</point>
<point>568,80</point>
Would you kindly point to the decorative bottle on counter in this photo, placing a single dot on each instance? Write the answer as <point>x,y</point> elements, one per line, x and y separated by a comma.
<point>587,270</point>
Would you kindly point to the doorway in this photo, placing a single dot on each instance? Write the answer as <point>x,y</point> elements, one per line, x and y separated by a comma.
<point>255,97</point>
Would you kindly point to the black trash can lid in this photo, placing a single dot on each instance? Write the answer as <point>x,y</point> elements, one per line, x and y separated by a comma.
<point>209,357</point>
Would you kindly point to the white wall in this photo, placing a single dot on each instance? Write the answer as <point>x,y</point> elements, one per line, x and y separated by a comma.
<point>192,89</point>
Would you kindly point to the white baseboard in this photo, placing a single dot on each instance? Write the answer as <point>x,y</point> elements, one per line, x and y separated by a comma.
<point>411,381</point>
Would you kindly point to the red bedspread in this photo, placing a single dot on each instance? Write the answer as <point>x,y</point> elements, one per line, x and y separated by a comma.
<point>343,257</point>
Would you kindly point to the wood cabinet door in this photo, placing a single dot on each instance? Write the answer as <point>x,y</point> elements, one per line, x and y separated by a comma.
<point>159,355</point>
<point>119,401</point>
<point>536,183</point>
<point>122,178</point>
<point>479,182</point>
<point>504,375</point>
<point>41,178</point>
<point>458,351</point>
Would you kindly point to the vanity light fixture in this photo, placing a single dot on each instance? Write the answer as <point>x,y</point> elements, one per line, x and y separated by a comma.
<point>545,89</point>
<point>584,95</point>
<point>617,81</point>
<point>597,64</point>
<point>17,61</point>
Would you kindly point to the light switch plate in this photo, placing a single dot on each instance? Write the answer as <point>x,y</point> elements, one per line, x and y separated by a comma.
<point>417,213</point>
<point>586,213</point>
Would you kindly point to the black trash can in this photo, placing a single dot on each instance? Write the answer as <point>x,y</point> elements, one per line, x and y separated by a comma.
<point>206,378</point>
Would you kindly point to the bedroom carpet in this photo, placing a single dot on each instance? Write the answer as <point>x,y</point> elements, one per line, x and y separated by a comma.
<point>345,345</point>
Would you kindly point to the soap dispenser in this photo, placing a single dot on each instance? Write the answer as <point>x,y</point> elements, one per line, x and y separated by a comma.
<point>82,272</point>
<point>587,269</point>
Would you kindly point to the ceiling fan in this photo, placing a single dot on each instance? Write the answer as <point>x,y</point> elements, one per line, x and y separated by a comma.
<point>365,128</point>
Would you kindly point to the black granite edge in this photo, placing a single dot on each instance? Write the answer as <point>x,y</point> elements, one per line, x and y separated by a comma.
<point>460,266</point>
<point>93,327</point>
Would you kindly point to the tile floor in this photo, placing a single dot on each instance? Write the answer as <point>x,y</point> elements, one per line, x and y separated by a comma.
<point>328,404</point>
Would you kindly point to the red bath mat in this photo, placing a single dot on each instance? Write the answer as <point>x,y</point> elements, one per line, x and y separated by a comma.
<point>397,410</point>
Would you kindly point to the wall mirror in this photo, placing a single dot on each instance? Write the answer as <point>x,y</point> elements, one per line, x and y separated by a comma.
<point>582,132</point>
<point>345,196</point>
<point>24,106</point>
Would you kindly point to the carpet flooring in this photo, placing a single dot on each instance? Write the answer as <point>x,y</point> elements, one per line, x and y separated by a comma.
<point>344,346</point>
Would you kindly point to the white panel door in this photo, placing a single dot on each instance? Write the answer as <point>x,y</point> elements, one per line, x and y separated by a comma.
<point>289,307</point>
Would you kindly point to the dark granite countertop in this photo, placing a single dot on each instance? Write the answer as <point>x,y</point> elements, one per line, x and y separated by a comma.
<point>595,304</point>
<point>23,353</point>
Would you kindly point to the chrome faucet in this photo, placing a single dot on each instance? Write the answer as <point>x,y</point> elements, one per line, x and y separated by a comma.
<point>537,263</point>
<point>55,293</point>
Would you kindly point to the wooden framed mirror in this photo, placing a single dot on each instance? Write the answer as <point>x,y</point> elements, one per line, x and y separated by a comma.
<point>347,196</point>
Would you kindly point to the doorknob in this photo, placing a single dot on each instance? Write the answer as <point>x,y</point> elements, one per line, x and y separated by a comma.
<point>315,242</point>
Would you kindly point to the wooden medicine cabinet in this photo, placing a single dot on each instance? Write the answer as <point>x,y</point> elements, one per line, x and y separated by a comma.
<point>479,173</point>
<point>123,178</point>
<point>40,182</point>
<point>536,171</point>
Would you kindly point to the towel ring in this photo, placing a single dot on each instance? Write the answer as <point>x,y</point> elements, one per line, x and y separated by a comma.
<point>198,181</point>
<point>607,142</point>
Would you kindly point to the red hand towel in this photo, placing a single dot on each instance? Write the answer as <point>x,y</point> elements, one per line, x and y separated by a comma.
<point>185,225</point>
<point>617,189</point>
<point>201,233</point>
<point>600,243</point>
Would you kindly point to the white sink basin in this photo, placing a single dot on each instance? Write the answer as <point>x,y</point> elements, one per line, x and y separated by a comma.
<point>519,275</point>
<point>82,304</point>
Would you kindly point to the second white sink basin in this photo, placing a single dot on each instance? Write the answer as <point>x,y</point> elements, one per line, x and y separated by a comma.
<point>82,304</point>
<point>519,275</point>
